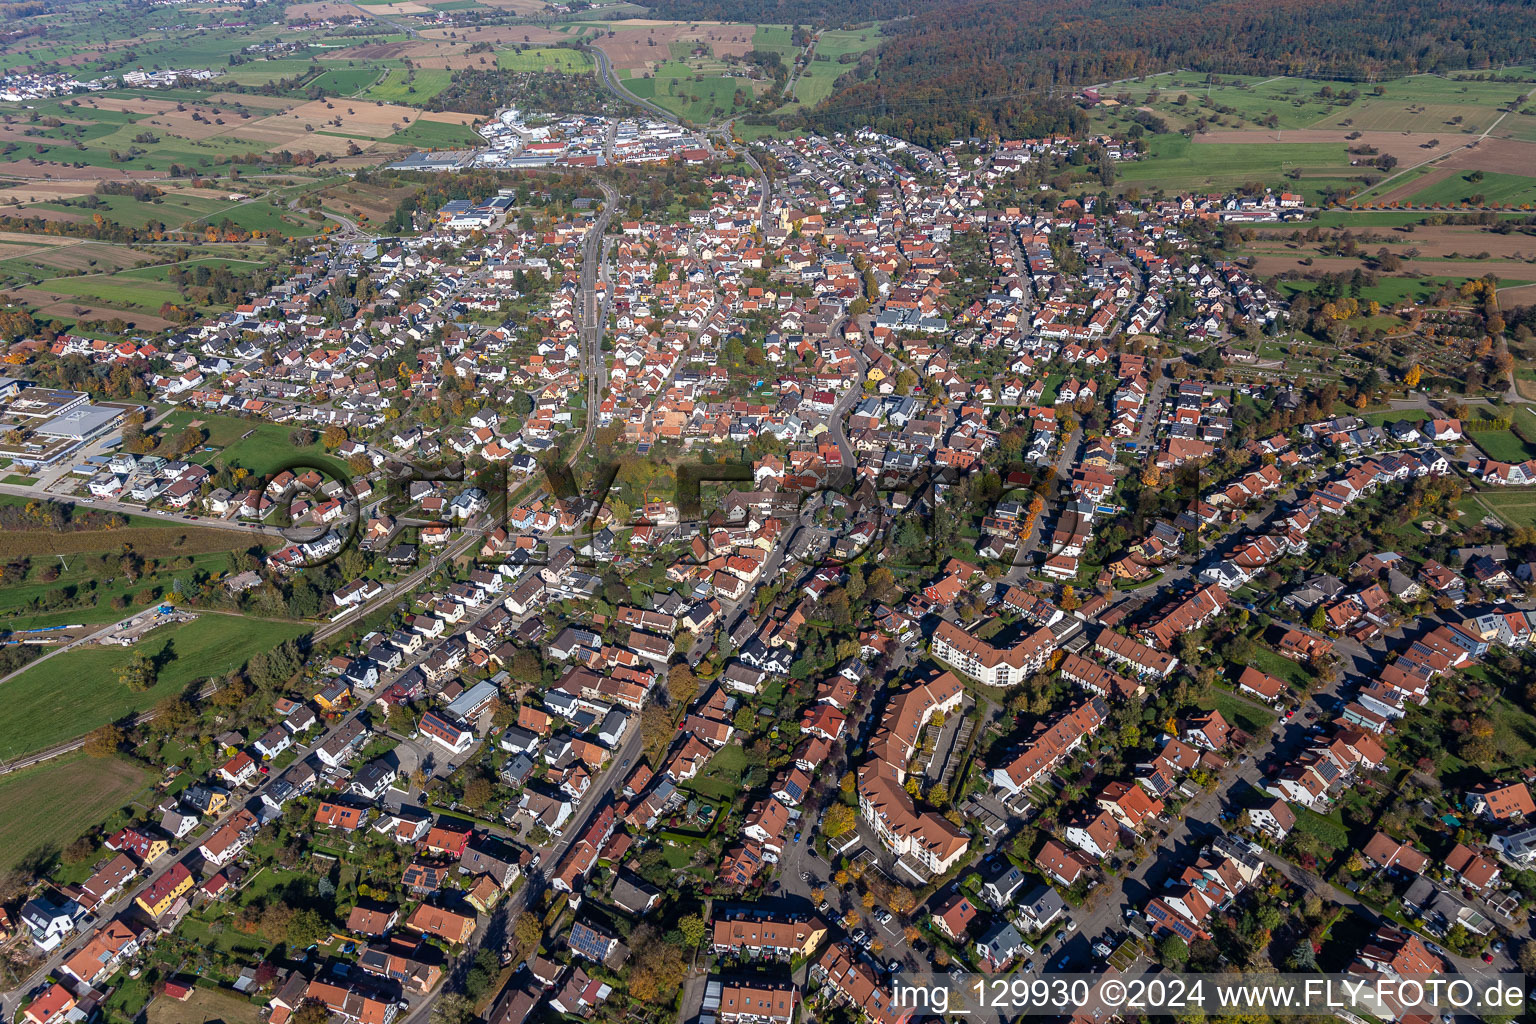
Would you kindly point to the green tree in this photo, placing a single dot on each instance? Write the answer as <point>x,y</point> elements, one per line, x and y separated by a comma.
<point>1173,951</point>
<point>305,928</point>
<point>693,929</point>
<point>140,673</point>
<point>1303,957</point>
<point>453,1008</point>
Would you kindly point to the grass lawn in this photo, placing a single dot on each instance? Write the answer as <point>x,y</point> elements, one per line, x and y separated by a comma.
<point>1177,163</point>
<point>1510,189</point>
<point>1388,290</point>
<point>721,780</point>
<point>88,588</point>
<point>262,448</point>
<point>1502,445</point>
<point>410,86</point>
<point>545,58</point>
<point>1381,419</point>
<point>73,693</point>
<point>673,87</point>
<point>57,800</point>
<point>162,271</point>
<point>1515,506</point>
<point>108,290</point>
<point>1419,103</point>
<point>171,209</point>
<point>1280,666</point>
<point>262,215</point>
<point>1247,717</point>
<point>1514,732</point>
<point>815,82</point>
<point>754,132</point>
<point>1328,829</point>
<point>345,81</point>
<point>435,135</point>
<point>778,38</point>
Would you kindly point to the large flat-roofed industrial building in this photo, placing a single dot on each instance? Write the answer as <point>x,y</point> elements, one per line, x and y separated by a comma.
<point>41,427</point>
<point>83,423</point>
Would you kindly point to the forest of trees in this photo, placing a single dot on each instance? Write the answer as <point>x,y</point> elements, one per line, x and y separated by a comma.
<point>972,67</point>
<point>834,13</point>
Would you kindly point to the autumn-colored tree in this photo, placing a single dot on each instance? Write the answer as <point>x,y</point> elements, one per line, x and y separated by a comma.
<point>682,684</point>
<point>334,437</point>
<point>868,900</point>
<point>838,821</point>
<point>527,931</point>
<point>658,968</point>
<point>1151,476</point>
<point>655,729</point>
<point>478,791</point>
<point>1413,376</point>
<point>105,741</point>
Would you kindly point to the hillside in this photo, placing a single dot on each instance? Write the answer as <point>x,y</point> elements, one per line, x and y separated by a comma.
<point>959,68</point>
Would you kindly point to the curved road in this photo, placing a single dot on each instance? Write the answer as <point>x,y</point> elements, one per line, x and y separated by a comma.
<point>608,78</point>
